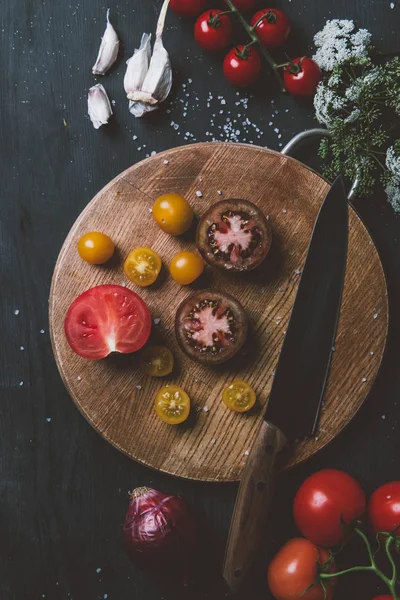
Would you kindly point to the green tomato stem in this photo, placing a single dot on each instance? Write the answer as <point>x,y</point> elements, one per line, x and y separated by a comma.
<point>390,557</point>
<point>256,40</point>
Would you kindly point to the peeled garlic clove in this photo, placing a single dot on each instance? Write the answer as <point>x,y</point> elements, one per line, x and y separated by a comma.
<point>158,81</point>
<point>137,68</point>
<point>108,50</point>
<point>99,107</point>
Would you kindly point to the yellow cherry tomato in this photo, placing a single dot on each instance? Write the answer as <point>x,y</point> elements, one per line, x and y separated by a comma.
<point>172,405</point>
<point>95,248</point>
<point>173,214</point>
<point>239,396</point>
<point>157,361</point>
<point>186,267</point>
<point>142,266</point>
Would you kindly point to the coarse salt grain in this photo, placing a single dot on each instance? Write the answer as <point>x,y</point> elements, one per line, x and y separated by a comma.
<point>139,387</point>
<point>48,419</point>
<point>392,5</point>
<point>219,192</point>
<point>98,570</point>
<point>16,312</point>
<point>206,409</point>
<point>284,211</point>
<point>371,353</point>
<point>246,453</point>
<point>375,315</point>
<point>157,321</point>
<point>21,348</point>
<point>297,271</point>
<point>21,383</point>
<point>166,162</point>
<point>213,441</point>
<point>364,379</point>
<point>42,331</point>
<point>383,417</point>
<point>79,378</point>
<point>199,194</point>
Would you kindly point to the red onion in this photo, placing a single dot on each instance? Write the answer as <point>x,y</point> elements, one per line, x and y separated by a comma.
<point>159,532</point>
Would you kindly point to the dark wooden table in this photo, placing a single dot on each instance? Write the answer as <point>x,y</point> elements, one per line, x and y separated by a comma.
<point>63,490</point>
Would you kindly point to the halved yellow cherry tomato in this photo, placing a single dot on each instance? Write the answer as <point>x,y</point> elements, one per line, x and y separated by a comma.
<point>239,396</point>
<point>186,267</point>
<point>157,361</point>
<point>142,266</point>
<point>172,405</point>
<point>95,248</point>
<point>173,214</point>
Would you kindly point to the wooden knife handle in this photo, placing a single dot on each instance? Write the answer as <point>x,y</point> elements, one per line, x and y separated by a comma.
<point>252,505</point>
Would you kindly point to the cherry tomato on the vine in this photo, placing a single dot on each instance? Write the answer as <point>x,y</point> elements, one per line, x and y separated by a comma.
<point>213,30</point>
<point>302,76</point>
<point>245,5</point>
<point>188,8</point>
<point>384,508</point>
<point>273,27</point>
<point>242,65</point>
<point>323,501</point>
<point>95,248</point>
<point>295,568</point>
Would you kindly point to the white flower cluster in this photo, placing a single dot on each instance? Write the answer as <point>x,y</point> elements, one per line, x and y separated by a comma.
<point>337,43</point>
<point>393,187</point>
<point>326,103</point>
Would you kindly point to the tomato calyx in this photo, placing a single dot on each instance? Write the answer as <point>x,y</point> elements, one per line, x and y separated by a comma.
<point>214,20</point>
<point>244,53</point>
<point>292,67</point>
<point>270,17</point>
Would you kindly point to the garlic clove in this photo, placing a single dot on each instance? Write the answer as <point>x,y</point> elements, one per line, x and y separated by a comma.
<point>108,52</point>
<point>158,81</point>
<point>137,68</point>
<point>139,109</point>
<point>99,107</point>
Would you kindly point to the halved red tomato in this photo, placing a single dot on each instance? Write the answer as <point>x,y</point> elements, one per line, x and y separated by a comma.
<point>106,319</point>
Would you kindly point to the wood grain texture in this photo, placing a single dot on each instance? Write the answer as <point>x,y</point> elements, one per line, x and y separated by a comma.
<point>117,398</point>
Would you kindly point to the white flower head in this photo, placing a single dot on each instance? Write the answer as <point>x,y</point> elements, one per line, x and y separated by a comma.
<point>337,43</point>
<point>393,163</point>
<point>326,104</point>
<point>393,195</point>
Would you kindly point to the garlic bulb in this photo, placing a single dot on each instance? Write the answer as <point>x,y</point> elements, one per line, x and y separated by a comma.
<point>148,82</point>
<point>108,52</point>
<point>99,107</point>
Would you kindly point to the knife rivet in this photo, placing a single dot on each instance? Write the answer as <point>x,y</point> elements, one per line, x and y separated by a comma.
<point>260,486</point>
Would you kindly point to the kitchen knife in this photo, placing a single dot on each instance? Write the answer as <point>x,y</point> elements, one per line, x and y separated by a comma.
<point>299,383</point>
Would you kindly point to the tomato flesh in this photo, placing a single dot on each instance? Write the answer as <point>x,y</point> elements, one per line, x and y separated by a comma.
<point>106,319</point>
<point>323,501</point>
<point>186,267</point>
<point>294,569</point>
<point>273,27</point>
<point>173,214</point>
<point>172,405</point>
<point>157,361</point>
<point>242,70</point>
<point>142,266</point>
<point>384,508</point>
<point>239,396</point>
<point>95,248</point>
<point>213,30</point>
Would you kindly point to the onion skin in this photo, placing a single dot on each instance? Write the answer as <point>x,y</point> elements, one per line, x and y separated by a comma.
<point>159,532</point>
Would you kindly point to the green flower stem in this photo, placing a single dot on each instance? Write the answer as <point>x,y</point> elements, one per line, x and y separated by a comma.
<point>372,568</point>
<point>256,40</point>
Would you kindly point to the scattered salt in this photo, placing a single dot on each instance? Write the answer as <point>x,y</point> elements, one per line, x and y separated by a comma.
<point>383,417</point>
<point>375,315</point>
<point>364,379</point>
<point>134,137</point>
<point>284,211</point>
<point>297,271</point>
<point>246,453</point>
<point>139,387</point>
<point>166,162</point>
<point>316,438</point>
<point>371,353</point>
<point>157,321</point>
<point>42,331</point>
<point>21,348</point>
<point>392,5</point>
<point>79,378</point>
<point>21,383</point>
<point>220,192</point>
<point>98,570</point>
<point>206,409</point>
<point>153,153</point>
<point>199,194</point>
<point>213,441</point>
<point>16,312</point>
<point>48,419</point>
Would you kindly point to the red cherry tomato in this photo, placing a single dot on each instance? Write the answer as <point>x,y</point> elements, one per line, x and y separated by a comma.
<point>244,5</point>
<point>294,569</point>
<point>384,508</point>
<point>213,32</point>
<point>302,76</point>
<point>105,319</point>
<point>242,67</point>
<point>188,8</point>
<point>273,27</point>
<point>322,501</point>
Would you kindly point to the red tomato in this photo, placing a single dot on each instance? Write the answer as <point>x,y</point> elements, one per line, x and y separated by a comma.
<point>242,67</point>
<point>105,319</point>
<point>244,5</point>
<point>322,501</point>
<point>188,8</point>
<point>213,32</point>
<point>294,569</point>
<point>302,76</point>
<point>273,29</point>
<point>384,508</point>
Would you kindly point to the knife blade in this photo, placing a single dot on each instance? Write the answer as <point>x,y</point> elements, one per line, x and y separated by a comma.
<point>300,379</point>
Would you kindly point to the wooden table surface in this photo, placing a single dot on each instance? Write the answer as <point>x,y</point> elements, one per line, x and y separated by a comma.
<point>63,489</point>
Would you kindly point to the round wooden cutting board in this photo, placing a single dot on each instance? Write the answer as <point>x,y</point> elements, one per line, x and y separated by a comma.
<point>113,394</point>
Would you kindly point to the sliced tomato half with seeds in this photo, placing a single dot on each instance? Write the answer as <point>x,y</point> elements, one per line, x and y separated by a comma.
<point>106,319</point>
